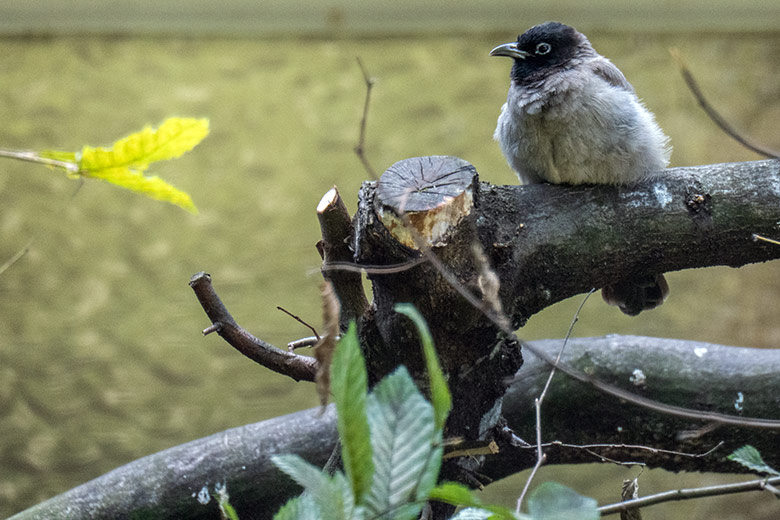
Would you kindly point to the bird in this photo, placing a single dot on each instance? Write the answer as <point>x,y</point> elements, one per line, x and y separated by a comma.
<point>571,117</point>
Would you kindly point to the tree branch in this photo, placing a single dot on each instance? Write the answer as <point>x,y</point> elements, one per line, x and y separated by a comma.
<point>550,242</point>
<point>694,374</point>
<point>336,229</point>
<point>687,494</point>
<point>300,368</point>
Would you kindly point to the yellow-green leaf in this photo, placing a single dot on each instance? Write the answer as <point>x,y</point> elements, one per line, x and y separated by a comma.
<point>124,163</point>
<point>172,139</point>
<point>152,187</point>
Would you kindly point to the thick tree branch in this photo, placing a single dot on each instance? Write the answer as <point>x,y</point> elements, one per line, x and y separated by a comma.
<point>300,368</point>
<point>166,484</point>
<point>696,375</point>
<point>549,242</point>
<point>693,374</point>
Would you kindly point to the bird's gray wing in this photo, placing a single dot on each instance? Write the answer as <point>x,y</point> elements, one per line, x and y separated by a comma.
<point>609,72</point>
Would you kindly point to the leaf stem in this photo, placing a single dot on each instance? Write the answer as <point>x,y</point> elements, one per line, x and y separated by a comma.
<point>30,156</point>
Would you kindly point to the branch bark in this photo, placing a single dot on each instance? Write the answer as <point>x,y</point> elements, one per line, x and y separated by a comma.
<point>336,229</point>
<point>686,373</point>
<point>550,242</point>
<point>300,368</point>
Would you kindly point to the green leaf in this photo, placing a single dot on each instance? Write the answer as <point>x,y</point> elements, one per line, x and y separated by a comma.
<point>430,474</point>
<point>332,495</point>
<point>750,457</point>
<point>226,510</point>
<point>299,508</point>
<point>440,393</point>
<point>348,382</point>
<point>553,501</point>
<point>402,433</point>
<point>461,496</point>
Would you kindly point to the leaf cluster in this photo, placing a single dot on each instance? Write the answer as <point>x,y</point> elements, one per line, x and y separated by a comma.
<point>391,442</point>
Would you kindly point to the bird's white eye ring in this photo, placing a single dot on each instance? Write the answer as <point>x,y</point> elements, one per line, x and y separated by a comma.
<point>543,48</point>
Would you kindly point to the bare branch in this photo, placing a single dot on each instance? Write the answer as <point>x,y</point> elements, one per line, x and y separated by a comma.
<point>299,320</point>
<point>687,494</point>
<point>765,239</point>
<point>300,368</point>
<point>16,257</point>
<point>714,115</point>
<point>360,149</point>
<point>302,343</point>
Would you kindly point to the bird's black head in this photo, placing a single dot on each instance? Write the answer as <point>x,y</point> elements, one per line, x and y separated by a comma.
<point>542,50</point>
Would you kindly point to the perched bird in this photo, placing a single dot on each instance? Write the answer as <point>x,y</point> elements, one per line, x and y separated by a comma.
<point>571,117</point>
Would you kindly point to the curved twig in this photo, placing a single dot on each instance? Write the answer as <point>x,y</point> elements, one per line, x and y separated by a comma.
<point>300,368</point>
<point>713,114</point>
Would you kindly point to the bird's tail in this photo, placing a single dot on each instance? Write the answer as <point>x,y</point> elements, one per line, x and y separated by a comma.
<point>637,294</point>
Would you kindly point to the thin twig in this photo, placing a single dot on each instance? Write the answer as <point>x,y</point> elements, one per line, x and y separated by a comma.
<point>302,343</point>
<point>765,239</point>
<point>540,456</point>
<point>360,149</point>
<point>574,320</point>
<point>17,256</point>
<point>604,458</point>
<point>714,115</point>
<point>686,494</point>
<point>634,447</point>
<point>299,320</point>
<point>30,156</point>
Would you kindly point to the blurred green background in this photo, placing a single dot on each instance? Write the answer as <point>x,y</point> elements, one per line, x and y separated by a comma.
<point>101,354</point>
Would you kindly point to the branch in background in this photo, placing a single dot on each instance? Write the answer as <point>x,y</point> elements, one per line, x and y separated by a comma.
<point>167,482</point>
<point>300,368</point>
<point>360,148</point>
<point>687,494</point>
<point>660,369</point>
<point>17,256</point>
<point>714,115</point>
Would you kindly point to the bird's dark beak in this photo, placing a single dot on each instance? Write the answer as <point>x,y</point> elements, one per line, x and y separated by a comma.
<point>511,50</point>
